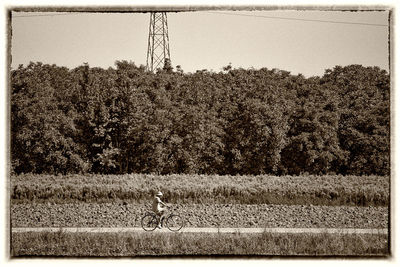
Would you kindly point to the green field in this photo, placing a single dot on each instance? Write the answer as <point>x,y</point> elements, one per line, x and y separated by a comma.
<point>175,244</point>
<point>262,189</point>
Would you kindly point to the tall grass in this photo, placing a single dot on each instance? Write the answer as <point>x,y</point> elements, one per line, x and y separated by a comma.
<point>263,189</point>
<point>156,244</point>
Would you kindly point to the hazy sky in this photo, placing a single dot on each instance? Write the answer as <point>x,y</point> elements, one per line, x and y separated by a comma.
<point>207,40</point>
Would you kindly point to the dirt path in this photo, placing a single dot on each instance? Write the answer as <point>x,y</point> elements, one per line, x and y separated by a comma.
<point>203,230</point>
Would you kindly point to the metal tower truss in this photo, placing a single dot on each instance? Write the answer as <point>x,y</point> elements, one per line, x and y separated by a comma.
<point>158,44</point>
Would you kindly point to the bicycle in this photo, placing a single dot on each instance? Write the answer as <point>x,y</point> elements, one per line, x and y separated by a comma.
<point>174,222</point>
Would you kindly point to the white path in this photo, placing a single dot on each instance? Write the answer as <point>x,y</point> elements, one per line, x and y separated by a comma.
<point>202,230</point>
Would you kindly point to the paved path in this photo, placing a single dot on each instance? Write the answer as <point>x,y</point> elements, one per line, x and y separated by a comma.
<point>203,230</point>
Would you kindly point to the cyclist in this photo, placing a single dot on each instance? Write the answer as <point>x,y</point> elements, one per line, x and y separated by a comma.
<point>159,207</point>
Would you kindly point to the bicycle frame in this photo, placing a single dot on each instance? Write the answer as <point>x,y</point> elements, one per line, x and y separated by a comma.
<point>177,222</point>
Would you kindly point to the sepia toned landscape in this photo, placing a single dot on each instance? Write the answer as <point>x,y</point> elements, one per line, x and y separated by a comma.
<point>251,161</point>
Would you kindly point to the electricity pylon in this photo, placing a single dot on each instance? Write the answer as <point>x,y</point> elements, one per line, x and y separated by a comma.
<point>158,45</point>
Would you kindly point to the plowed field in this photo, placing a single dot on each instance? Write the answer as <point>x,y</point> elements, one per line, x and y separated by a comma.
<point>199,215</point>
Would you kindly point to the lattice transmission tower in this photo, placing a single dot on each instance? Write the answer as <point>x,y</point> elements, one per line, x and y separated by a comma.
<point>158,54</point>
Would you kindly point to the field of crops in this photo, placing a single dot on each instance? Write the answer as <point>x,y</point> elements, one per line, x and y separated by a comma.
<point>263,189</point>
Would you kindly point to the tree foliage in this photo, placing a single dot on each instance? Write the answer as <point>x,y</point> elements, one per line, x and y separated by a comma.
<point>237,121</point>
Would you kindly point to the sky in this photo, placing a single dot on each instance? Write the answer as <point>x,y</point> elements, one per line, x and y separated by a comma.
<point>306,42</point>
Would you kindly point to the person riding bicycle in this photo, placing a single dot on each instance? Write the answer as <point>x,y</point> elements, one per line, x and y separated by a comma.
<point>159,207</point>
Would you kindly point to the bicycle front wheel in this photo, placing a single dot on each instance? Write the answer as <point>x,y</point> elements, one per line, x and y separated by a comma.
<point>149,222</point>
<point>175,222</point>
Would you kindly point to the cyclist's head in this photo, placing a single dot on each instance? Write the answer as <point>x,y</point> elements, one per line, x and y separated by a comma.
<point>159,194</point>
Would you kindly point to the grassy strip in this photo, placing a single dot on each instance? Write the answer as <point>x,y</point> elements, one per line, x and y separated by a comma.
<point>263,189</point>
<point>175,244</point>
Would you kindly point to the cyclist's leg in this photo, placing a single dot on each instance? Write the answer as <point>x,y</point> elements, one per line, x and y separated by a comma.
<point>161,214</point>
<point>158,220</point>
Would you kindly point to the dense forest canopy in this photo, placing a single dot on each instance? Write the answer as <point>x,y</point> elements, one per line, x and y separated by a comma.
<point>237,121</point>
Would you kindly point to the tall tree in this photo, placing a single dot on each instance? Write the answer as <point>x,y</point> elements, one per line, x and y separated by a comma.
<point>364,127</point>
<point>43,131</point>
<point>313,145</point>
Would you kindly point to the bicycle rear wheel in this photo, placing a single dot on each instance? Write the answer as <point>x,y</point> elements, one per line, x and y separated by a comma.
<point>149,222</point>
<point>174,222</point>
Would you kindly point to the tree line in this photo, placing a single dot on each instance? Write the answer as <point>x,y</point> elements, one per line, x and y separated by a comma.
<point>236,121</point>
